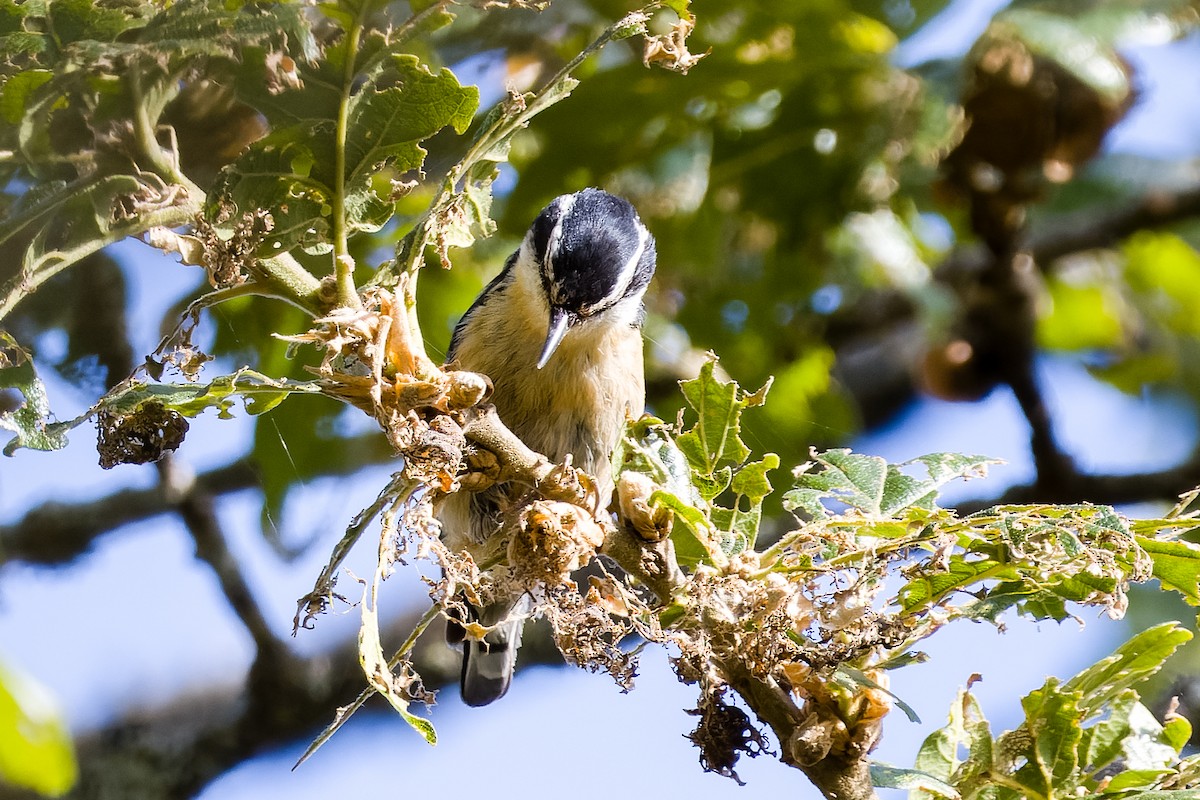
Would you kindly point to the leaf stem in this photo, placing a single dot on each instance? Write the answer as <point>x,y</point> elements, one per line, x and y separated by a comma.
<point>50,264</point>
<point>345,712</point>
<point>343,264</point>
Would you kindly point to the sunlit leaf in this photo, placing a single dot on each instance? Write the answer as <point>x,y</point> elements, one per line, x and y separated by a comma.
<point>939,753</point>
<point>1052,722</point>
<point>889,777</point>
<point>739,523</point>
<point>379,674</point>
<point>31,420</point>
<point>871,485</point>
<point>1132,662</point>
<point>291,172</point>
<point>1102,743</point>
<point>1176,565</point>
<point>715,441</point>
<point>35,747</point>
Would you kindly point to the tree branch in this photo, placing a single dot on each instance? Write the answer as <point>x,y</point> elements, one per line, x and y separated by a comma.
<point>1087,230</point>
<point>55,534</point>
<point>178,748</point>
<point>1166,485</point>
<point>197,508</point>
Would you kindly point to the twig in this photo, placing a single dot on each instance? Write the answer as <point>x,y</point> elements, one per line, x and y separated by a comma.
<point>1082,231</point>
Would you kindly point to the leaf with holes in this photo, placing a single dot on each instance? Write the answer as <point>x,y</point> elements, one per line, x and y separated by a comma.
<point>31,420</point>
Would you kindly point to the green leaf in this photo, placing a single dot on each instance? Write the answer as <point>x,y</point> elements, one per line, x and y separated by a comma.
<point>958,573</point>
<point>695,539</point>
<point>17,90</point>
<point>1175,794</point>
<point>216,27</point>
<point>15,40</point>
<point>850,478</point>
<point>35,746</point>
<point>1135,779</point>
<point>1145,749</point>
<point>379,674</point>
<point>872,486</point>
<point>258,393</point>
<point>1052,722</point>
<point>1176,564</point>
<point>902,491</point>
<point>375,665</point>
<point>703,532</point>
<point>1176,733</point>
<point>938,755</point>
<point>1130,664</point>
<point>739,523</point>
<point>276,173</point>
<point>291,172</point>
<point>647,447</point>
<point>76,20</point>
<point>385,125</point>
<point>715,441</point>
<point>886,776</point>
<point>31,420</point>
<point>1102,743</point>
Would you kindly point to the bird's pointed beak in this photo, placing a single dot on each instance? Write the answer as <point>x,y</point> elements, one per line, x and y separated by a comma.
<point>559,320</point>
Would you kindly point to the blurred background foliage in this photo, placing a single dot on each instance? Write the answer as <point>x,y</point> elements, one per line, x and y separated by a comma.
<point>827,216</point>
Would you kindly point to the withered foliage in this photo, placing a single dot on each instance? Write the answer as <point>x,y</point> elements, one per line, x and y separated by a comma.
<point>589,635</point>
<point>141,437</point>
<point>724,734</point>
<point>227,260</point>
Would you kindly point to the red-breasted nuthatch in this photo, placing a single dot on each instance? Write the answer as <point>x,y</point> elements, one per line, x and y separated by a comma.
<point>558,331</point>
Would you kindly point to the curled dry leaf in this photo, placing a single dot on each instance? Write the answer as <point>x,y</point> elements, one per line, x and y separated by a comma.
<point>669,50</point>
<point>724,734</point>
<point>466,389</point>
<point>814,738</point>
<point>653,524</point>
<point>228,260</point>
<point>588,636</point>
<point>552,540</point>
<point>190,248</point>
<point>140,437</point>
<point>483,470</point>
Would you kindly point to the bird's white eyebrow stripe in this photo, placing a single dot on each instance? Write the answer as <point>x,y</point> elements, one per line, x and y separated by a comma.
<point>631,265</point>
<point>565,203</point>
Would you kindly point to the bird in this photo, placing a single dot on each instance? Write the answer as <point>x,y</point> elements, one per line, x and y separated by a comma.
<point>558,332</point>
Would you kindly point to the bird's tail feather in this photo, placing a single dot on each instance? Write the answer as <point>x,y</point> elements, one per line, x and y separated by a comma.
<point>488,665</point>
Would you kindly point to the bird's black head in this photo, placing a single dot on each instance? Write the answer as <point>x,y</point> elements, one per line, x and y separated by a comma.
<point>592,251</point>
<point>593,255</point>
